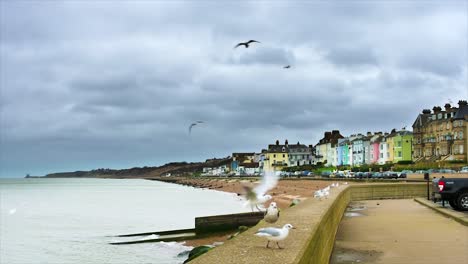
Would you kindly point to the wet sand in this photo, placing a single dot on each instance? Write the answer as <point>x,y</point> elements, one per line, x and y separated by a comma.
<point>398,231</point>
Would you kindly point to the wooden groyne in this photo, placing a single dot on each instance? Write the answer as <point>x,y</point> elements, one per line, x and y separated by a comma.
<point>204,226</point>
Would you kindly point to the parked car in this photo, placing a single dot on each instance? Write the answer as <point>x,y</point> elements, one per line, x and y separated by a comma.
<point>359,175</point>
<point>402,175</point>
<point>453,190</point>
<point>447,171</point>
<point>390,175</point>
<point>377,175</point>
<point>311,173</point>
<point>326,174</point>
<point>464,170</point>
<point>420,171</point>
<point>340,174</point>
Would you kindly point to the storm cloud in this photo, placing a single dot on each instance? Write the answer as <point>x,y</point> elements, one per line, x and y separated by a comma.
<point>116,84</point>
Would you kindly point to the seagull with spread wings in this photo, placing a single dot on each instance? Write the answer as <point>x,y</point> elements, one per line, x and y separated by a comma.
<point>194,124</point>
<point>246,44</point>
<point>287,67</point>
<point>257,195</point>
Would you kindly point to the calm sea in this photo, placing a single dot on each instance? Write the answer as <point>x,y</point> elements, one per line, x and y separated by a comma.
<point>73,220</point>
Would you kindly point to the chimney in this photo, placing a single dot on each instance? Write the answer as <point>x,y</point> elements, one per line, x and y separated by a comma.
<point>286,142</point>
<point>369,133</point>
<point>335,132</point>
<point>426,111</point>
<point>462,102</point>
<point>277,142</point>
<point>436,109</point>
<point>298,143</point>
<point>386,133</point>
<point>393,131</point>
<point>447,107</point>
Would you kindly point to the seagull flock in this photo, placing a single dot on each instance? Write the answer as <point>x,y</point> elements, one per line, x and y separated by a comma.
<point>246,44</point>
<point>256,197</point>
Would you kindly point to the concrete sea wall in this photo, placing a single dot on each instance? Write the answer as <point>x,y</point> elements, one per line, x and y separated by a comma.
<point>316,225</point>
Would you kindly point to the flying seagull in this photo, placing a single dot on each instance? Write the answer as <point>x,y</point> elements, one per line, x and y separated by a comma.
<point>272,213</point>
<point>257,195</point>
<point>287,67</point>
<point>275,234</point>
<point>246,44</point>
<point>190,127</point>
<point>194,124</point>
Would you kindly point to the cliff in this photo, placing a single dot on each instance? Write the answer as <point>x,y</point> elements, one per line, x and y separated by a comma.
<point>174,168</point>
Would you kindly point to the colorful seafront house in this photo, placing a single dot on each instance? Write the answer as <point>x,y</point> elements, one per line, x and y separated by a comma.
<point>375,148</point>
<point>390,146</point>
<point>383,150</point>
<point>366,147</point>
<point>402,146</point>
<point>358,150</point>
<point>342,151</point>
<point>276,157</point>
<point>325,152</point>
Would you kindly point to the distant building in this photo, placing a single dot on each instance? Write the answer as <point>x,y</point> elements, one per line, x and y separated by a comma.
<point>326,147</point>
<point>402,146</point>
<point>276,157</point>
<point>441,134</point>
<point>300,154</point>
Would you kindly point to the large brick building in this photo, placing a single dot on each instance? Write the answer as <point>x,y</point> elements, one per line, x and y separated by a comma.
<point>441,134</point>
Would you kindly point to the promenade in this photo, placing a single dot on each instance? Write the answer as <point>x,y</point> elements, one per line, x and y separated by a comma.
<point>398,231</point>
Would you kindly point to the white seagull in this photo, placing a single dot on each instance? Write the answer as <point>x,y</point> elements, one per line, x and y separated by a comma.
<point>275,234</point>
<point>257,196</point>
<point>272,213</point>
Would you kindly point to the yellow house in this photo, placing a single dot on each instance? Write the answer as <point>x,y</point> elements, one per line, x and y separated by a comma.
<point>390,146</point>
<point>276,157</point>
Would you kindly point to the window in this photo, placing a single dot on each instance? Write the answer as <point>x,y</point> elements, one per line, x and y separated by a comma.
<point>447,126</point>
<point>274,155</point>
<point>284,155</point>
<point>399,143</point>
<point>399,154</point>
<point>460,135</point>
<point>388,154</point>
<point>439,116</point>
<point>461,149</point>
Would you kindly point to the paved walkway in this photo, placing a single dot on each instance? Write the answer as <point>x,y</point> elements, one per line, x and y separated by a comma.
<point>398,232</point>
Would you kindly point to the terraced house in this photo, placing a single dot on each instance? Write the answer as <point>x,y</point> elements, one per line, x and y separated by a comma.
<point>440,134</point>
<point>276,157</point>
<point>325,150</point>
<point>300,154</point>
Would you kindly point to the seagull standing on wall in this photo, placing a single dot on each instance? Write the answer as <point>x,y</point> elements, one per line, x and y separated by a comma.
<point>275,234</point>
<point>272,213</point>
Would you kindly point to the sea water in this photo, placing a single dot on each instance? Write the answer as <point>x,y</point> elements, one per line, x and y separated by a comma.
<point>74,220</point>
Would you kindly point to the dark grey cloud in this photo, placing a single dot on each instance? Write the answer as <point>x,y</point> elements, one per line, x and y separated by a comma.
<point>116,84</point>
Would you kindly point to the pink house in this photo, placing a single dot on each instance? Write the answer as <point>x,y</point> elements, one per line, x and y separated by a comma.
<point>374,148</point>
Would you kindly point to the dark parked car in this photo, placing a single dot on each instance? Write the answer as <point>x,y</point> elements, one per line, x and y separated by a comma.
<point>359,175</point>
<point>390,175</point>
<point>453,190</point>
<point>326,174</point>
<point>377,175</point>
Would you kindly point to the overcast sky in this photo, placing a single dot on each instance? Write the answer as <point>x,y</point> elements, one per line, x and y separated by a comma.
<point>114,84</point>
